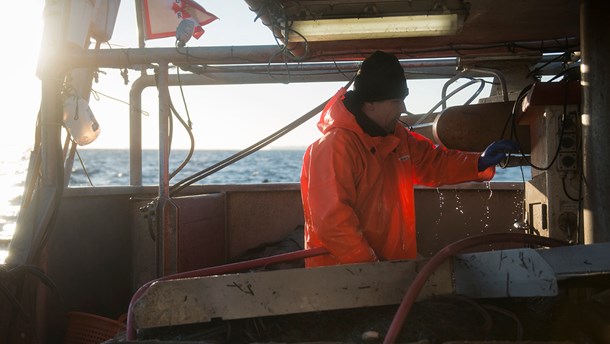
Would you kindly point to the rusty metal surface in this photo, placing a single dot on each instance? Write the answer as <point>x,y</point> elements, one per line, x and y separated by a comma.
<point>246,295</point>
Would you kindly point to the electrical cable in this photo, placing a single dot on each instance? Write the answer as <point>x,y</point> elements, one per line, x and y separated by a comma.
<point>48,213</point>
<point>15,304</point>
<point>556,155</point>
<point>186,108</point>
<point>536,70</point>
<point>568,70</point>
<point>33,166</point>
<point>187,127</point>
<point>565,191</point>
<point>170,129</point>
<point>279,26</point>
<point>192,140</point>
<point>511,120</point>
<point>340,71</point>
<point>510,46</point>
<point>449,251</point>
<point>514,129</point>
<point>284,26</point>
<point>512,117</point>
<point>271,75</point>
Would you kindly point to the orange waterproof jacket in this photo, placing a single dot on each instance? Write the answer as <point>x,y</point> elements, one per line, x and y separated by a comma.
<point>357,190</point>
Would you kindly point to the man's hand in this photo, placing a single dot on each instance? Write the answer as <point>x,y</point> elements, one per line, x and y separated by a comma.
<point>496,152</point>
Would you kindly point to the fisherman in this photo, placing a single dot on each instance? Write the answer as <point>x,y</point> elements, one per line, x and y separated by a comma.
<point>357,179</point>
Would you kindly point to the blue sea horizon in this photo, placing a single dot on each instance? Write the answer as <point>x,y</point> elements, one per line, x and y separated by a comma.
<point>110,167</point>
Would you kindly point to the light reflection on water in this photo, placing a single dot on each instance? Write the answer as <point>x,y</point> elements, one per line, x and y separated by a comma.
<point>13,169</point>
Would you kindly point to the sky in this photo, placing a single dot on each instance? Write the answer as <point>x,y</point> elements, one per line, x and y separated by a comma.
<point>224,117</point>
<point>19,88</point>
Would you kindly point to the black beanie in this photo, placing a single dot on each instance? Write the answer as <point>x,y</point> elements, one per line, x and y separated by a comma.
<point>380,77</point>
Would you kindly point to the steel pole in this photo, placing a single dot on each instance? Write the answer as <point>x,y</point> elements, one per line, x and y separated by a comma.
<point>595,40</point>
<point>166,210</point>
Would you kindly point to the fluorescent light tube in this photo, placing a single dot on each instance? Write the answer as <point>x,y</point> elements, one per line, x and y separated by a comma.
<point>371,28</point>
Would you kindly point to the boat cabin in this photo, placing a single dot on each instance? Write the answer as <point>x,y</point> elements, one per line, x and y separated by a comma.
<point>516,261</point>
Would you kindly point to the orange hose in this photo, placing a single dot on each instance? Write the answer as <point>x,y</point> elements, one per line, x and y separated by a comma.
<point>218,270</point>
<point>446,252</point>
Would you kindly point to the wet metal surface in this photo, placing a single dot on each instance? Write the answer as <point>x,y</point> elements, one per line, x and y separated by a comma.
<point>579,260</point>
<point>504,273</point>
<point>496,274</point>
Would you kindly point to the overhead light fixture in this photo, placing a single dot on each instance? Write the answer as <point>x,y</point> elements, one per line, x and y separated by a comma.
<point>375,28</point>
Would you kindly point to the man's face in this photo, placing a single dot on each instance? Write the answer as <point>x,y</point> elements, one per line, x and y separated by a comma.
<point>385,112</point>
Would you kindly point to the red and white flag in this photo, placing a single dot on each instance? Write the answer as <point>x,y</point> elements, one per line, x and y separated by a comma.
<point>161,17</point>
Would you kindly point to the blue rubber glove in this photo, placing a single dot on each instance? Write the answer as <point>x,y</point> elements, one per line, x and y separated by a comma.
<point>496,152</point>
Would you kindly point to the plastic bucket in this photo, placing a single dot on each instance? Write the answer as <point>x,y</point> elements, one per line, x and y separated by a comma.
<point>85,328</point>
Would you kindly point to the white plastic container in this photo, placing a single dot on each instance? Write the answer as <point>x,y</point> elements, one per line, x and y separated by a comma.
<point>79,20</point>
<point>79,120</point>
<point>104,19</point>
<point>67,25</point>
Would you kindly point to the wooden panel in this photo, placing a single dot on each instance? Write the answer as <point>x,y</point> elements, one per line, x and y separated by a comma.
<point>201,231</point>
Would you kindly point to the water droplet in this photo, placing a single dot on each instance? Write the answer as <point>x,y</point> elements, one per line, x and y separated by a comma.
<point>488,186</point>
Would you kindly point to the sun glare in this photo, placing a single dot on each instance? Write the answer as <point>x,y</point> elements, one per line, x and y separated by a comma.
<point>20,37</point>
<point>20,96</point>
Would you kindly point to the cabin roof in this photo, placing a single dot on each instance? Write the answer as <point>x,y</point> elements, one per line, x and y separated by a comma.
<point>489,27</point>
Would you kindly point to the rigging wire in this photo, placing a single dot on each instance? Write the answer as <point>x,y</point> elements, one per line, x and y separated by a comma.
<point>245,152</point>
<point>96,95</point>
<point>83,165</point>
<point>249,150</point>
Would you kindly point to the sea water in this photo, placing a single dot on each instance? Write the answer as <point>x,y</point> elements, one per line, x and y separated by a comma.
<point>13,169</point>
<point>110,167</point>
